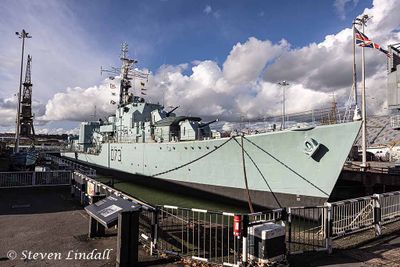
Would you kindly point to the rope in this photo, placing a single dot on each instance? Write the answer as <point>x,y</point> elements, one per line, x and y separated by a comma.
<point>245,175</point>
<point>193,161</point>
<point>259,171</point>
<point>269,154</point>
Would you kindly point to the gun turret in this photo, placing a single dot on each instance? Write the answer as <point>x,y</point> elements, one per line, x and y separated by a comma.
<point>207,123</point>
<point>172,110</point>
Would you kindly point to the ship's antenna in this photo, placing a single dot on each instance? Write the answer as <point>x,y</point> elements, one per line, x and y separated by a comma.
<point>124,50</point>
<point>127,72</point>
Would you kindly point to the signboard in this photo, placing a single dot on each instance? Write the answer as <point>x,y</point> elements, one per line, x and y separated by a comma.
<point>91,189</point>
<point>106,210</point>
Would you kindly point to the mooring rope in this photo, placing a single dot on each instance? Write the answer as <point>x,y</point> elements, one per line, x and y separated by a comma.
<point>259,171</point>
<point>193,161</point>
<point>269,154</point>
<point>245,175</point>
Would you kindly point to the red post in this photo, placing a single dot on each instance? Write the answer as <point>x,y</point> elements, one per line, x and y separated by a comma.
<point>236,225</point>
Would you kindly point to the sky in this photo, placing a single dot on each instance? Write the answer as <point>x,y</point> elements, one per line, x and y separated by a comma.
<point>215,59</point>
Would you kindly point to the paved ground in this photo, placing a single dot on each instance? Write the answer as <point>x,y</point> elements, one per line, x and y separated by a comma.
<point>47,220</point>
<point>361,249</point>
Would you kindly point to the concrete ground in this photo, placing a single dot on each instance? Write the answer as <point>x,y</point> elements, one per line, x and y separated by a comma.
<point>46,220</point>
<point>361,249</point>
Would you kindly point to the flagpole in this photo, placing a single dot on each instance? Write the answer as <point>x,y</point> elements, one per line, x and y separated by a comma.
<point>356,115</point>
<point>354,68</point>
<point>363,103</point>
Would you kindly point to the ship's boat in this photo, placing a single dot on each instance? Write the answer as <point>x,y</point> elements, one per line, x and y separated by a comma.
<point>24,159</point>
<point>292,167</point>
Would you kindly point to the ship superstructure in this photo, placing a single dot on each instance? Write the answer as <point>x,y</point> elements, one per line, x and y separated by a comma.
<point>282,168</point>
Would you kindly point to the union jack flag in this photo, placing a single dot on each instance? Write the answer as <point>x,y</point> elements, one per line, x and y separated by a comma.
<point>364,41</point>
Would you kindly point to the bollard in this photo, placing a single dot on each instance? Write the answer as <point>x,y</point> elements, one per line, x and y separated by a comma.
<point>154,231</point>
<point>377,214</point>
<point>128,238</point>
<point>73,188</point>
<point>245,223</point>
<point>83,192</point>
<point>328,227</point>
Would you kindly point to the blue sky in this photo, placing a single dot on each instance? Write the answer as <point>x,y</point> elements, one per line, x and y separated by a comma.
<point>213,58</point>
<point>174,32</point>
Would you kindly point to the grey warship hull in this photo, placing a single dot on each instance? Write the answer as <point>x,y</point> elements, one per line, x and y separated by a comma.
<point>277,162</point>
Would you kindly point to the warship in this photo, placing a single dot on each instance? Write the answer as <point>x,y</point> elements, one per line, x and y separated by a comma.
<point>290,167</point>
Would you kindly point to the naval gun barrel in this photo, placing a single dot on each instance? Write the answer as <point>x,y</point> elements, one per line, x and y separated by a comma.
<point>172,110</point>
<point>208,123</point>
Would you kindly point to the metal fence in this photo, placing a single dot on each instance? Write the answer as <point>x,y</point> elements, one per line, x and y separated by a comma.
<point>202,235</point>
<point>266,216</point>
<point>208,236</point>
<point>352,215</point>
<point>307,229</point>
<point>30,179</point>
<point>72,165</point>
<point>390,206</point>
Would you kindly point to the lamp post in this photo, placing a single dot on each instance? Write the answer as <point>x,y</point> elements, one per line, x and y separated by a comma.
<point>283,84</point>
<point>22,35</point>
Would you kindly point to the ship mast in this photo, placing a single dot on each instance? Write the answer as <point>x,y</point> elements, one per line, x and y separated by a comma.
<point>127,72</point>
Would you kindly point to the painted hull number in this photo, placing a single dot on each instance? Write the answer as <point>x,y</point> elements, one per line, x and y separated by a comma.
<point>115,154</point>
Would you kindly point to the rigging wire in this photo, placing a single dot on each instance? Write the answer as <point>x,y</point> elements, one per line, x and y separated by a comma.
<point>259,171</point>
<point>305,179</point>
<point>245,175</point>
<point>192,161</point>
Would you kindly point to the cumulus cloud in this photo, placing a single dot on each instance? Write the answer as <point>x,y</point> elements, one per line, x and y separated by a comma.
<point>74,131</point>
<point>80,104</point>
<point>8,111</point>
<point>245,84</point>
<point>327,66</point>
<point>235,89</point>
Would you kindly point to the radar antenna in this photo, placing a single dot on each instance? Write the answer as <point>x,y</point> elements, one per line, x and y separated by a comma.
<point>127,71</point>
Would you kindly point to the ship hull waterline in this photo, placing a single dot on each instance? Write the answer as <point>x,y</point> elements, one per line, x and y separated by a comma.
<point>274,161</point>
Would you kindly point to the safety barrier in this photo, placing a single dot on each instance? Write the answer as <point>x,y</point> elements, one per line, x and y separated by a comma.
<point>202,235</point>
<point>213,237</point>
<point>390,207</point>
<point>352,215</point>
<point>307,229</point>
<point>72,165</point>
<point>31,179</point>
